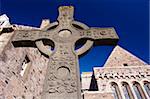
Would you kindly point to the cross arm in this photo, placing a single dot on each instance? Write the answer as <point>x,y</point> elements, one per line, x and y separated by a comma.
<point>27,38</point>
<point>101,35</point>
<point>30,35</point>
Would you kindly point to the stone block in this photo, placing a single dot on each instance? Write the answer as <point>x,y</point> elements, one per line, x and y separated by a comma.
<point>97,95</point>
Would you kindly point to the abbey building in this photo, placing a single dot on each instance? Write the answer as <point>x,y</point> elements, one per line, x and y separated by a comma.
<point>124,76</point>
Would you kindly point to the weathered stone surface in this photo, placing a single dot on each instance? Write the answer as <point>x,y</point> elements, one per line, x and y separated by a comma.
<point>13,84</point>
<point>5,41</point>
<point>97,95</point>
<point>107,75</point>
<point>62,77</point>
<point>45,23</point>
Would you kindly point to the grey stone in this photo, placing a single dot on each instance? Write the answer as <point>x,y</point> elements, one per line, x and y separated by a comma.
<point>62,79</point>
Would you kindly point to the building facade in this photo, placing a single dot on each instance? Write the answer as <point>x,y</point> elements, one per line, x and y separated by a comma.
<point>124,76</point>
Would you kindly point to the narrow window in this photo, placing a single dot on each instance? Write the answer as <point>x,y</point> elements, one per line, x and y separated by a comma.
<point>25,63</point>
<point>125,64</point>
<point>127,91</point>
<point>115,90</point>
<point>2,22</point>
<point>138,91</point>
<point>147,87</point>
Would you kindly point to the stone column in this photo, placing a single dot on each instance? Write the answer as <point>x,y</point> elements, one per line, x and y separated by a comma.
<point>121,91</point>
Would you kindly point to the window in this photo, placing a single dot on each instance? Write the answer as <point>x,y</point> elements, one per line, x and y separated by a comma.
<point>138,91</point>
<point>115,90</point>
<point>25,63</point>
<point>125,64</point>
<point>127,91</point>
<point>1,22</point>
<point>147,87</point>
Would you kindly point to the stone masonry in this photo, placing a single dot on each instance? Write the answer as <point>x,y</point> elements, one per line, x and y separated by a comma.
<point>121,67</point>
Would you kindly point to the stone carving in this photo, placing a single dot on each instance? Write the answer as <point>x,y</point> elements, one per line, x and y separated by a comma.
<point>62,77</point>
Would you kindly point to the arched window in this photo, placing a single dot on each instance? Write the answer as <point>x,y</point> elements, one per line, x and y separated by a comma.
<point>127,91</point>
<point>138,91</point>
<point>115,90</point>
<point>147,87</point>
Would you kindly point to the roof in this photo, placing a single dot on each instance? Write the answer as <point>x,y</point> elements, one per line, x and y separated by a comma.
<point>121,58</point>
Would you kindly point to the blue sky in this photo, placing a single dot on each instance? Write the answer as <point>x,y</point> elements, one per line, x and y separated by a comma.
<point>129,17</point>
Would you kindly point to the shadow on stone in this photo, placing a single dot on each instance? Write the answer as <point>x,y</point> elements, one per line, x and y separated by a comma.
<point>93,85</point>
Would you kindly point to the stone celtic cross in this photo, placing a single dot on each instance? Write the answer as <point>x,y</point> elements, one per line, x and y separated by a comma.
<point>62,80</point>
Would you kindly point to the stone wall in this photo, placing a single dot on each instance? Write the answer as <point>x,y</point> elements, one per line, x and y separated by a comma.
<point>97,95</point>
<point>106,75</point>
<point>15,86</point>
<point>5,41</point>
